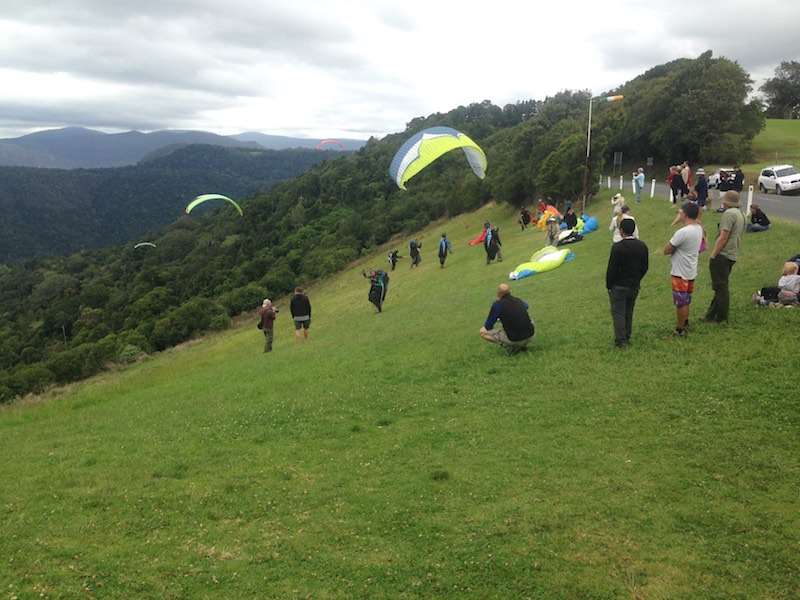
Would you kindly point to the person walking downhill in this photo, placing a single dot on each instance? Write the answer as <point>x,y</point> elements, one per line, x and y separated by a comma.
<point>444,249</point>
<point>379,283</point>
<point>394,255</point>
<point>413,252</point>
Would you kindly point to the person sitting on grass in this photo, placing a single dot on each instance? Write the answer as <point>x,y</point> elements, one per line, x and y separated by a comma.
<point>783,294</point>
<point>758,220</point>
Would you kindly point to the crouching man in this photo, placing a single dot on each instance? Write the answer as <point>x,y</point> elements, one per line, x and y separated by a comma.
<point>518,328</point>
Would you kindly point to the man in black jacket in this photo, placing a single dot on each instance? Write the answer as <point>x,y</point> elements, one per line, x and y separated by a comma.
<point>518,328</point>
<point>300,307</point>
<point>627,264</point>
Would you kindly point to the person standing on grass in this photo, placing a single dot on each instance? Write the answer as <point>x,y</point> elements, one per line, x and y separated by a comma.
<point>379,282</point>
<point>724,256</point>
<point>444,249</point>
<point>638,179</point>
<point>518,328</point>
<point>300,307</point>
<point>684,249</point>
<point>701,190</point>
<point>413,252</point>
<point>267,323</point>
<point>627,264</point>
<point>393,256</point>
<point>491,244</point>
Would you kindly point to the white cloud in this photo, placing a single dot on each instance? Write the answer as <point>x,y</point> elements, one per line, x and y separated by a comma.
<point>350,68</point>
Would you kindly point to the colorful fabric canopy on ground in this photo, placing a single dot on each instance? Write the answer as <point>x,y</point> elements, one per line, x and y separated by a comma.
<point>546,259</point>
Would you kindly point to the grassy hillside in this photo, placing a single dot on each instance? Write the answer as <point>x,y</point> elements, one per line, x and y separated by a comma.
<point>779,143</point>
<point>398,455</point>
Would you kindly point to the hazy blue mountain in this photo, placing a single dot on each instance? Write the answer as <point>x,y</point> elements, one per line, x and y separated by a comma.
<point>59,211</point>
<point>76,147</point>
<point>279,142</point>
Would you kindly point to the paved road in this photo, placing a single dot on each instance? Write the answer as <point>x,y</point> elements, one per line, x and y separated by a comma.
<point>781,207</point>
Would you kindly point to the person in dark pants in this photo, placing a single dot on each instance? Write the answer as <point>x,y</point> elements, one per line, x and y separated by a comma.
<point>759,221</point>
<point>518,328</point>
<point>724,256</point>
<point>492,243</point>
<point>413,251</point>
<point>268,323</point>
<point>444,249</point>
<point>393,257</point>
<point>627,264</point>
<point>379,282</point>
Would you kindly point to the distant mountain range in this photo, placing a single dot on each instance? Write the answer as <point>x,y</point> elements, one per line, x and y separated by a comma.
<point>79,148</point>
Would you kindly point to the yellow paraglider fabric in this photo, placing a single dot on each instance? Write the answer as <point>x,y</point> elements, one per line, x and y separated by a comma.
<point>205,197</point>
<point>423,148</point>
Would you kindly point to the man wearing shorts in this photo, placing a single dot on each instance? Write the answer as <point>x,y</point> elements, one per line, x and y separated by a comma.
<point>518,328</point>
<point>683,249</point>
<point>301,314</point>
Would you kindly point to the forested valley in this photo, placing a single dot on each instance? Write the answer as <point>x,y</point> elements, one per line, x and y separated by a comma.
<point>66,317</point>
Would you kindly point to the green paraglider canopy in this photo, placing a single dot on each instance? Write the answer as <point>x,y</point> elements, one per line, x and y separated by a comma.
<point>205,197</point>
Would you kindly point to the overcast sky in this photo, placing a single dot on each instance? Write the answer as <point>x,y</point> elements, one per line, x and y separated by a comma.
<point>347,68</point>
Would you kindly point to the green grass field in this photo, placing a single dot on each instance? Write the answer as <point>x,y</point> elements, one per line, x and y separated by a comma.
<point>399,456</point>
<point>778,143</point>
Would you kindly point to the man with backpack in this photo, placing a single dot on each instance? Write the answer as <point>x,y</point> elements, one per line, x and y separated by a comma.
<point>379,282</point>
<point>444,249</point>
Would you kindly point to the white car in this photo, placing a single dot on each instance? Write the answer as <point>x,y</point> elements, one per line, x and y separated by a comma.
<point>713,179</point>
<point>780,179</point>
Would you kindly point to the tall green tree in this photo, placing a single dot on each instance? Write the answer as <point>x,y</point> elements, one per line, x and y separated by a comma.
<point>691,109</point>
<point>782,92</point>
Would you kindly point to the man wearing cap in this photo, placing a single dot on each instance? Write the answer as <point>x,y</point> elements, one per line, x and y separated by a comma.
<point>724,256</point>
<point>627,264</point>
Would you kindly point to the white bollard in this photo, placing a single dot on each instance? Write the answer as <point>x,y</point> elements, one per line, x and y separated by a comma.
<point>621,181</point>
<point>749,198</point>
<point>609,182</point>
<point>653,188</point>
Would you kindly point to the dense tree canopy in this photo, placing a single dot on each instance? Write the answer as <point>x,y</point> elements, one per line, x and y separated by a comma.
<point>782,92</point>
<point>696,110</point>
